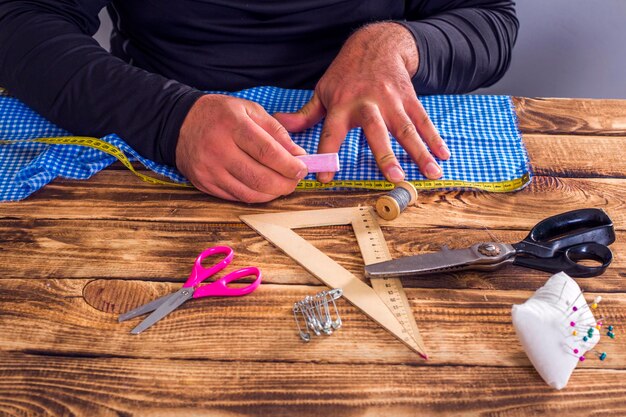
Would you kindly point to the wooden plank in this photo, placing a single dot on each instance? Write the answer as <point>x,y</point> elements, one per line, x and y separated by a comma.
<point>577,156</point>
<point>162,251</point>
<point>571,116</point>
<point>79,318</point>
<point>31,384</point>
<point>111,196</point>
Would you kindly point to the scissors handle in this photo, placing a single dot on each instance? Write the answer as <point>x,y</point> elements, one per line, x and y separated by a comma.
<point>569,260</point>
<point>220,287</point>
<point>557,233</point>
<point>200,273</point>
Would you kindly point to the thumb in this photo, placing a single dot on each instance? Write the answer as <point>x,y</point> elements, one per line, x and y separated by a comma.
<point>309,115</point>
<point>278,132</point>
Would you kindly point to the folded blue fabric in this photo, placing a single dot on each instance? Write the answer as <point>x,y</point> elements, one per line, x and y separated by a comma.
<point>481,132</point>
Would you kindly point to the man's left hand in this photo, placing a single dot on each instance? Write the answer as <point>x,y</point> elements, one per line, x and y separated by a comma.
<point>368,85</point>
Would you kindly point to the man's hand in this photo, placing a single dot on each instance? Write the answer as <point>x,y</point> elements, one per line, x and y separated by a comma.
<point>232,149</point>
<point>369,85</point>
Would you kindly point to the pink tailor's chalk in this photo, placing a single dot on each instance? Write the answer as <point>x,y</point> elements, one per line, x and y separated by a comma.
<point>320,162</point>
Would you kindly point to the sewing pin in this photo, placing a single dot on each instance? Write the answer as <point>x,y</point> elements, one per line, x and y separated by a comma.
<point>582,326</point>
<point>562,289</point>
<point>601,355</point>
<point>575,352</point>
<point>586,325</point>
<point>593,305</point>
<point>574,308</point>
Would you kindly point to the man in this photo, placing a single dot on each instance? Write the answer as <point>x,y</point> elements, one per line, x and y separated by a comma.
<point>366,60</point>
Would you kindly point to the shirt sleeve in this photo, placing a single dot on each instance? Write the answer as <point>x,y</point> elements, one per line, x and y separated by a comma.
<point>50,61</point>
<point>462,44</point>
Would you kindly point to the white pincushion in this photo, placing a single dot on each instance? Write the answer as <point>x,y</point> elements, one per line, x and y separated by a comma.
<point>543,326</point>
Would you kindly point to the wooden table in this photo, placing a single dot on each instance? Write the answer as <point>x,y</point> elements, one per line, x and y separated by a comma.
<point>77,253</point>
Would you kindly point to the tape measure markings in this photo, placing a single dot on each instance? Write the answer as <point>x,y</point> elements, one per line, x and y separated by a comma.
<point>95,143</point>
<point>101,146</point>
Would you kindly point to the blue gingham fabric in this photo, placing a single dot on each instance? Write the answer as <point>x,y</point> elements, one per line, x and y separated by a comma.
<point>481,132</point>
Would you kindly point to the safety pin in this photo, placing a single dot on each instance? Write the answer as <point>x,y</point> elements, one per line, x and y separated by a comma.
<point>316,314</point>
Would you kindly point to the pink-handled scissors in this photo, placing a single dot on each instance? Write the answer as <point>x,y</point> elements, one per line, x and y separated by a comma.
<point>191,289</point>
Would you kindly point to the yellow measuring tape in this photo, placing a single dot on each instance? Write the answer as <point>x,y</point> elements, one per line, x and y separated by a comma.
<point>499,187</point>
<point>102,146</point>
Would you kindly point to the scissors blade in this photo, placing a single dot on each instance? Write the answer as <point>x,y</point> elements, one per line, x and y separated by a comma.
<point>446,260</point>
<point>169,305</point>
<point>144,309</point>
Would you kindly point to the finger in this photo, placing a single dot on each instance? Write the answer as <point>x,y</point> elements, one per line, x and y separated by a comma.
<point>224,185</point>
<point>427,129</point>
<point>309,115</point>
<point>243,192</point>
<point>216,191</point>
<point>265,150</point>
<point>336,127</point>
<point>204,183</point>
<point>371,120</point>
<point>277,131</point>
<point>259,178</point>
<point>403,129</point>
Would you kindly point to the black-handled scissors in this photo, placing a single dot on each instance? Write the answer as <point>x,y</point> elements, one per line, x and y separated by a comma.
<point>558,243</point>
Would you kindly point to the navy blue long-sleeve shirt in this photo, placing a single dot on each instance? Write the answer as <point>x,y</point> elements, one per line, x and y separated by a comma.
<point>165,52</point>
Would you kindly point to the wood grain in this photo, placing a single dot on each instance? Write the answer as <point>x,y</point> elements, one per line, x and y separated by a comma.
<point>562,156</point>
<point>35,385</point>
<point>78,253</point>
<point>164,251</point>
<point>79,318</point>
<point>567,116</point>
<point>111,196</point>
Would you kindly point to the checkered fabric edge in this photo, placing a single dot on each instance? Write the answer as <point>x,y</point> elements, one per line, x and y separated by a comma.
<point>481,132</point>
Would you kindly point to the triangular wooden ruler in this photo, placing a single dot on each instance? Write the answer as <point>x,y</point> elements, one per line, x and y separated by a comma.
<point>385,302</point>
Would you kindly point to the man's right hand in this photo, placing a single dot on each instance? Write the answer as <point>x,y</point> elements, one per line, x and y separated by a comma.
<point>233,149</point>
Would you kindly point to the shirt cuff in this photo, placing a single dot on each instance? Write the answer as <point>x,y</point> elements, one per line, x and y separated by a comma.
<point>429,40</point>
<point>171,130</point>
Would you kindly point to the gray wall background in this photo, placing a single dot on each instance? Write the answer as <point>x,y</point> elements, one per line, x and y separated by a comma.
<point>565,48</point>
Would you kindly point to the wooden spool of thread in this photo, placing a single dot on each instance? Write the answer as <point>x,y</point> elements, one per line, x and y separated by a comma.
<point>392,204</point>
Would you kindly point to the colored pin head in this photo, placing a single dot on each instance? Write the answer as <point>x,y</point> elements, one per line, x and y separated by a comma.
<point>592,306</point>
<point>611,335</point>
<point>596,301</point>
<point>585,338</point>
<point>573,304</point>
<point>610,328</point>
<point>601,355</point>
<point>574,351</point>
